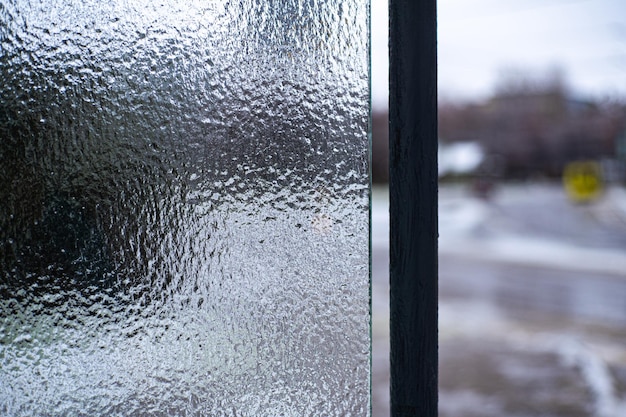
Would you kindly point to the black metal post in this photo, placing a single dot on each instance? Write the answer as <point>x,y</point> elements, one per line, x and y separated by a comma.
<point>413,206</point>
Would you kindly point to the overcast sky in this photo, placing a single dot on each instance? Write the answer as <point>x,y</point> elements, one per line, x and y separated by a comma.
<point>480,39</point>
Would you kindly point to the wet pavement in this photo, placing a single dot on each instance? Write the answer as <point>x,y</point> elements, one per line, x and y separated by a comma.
<point>532,313</point>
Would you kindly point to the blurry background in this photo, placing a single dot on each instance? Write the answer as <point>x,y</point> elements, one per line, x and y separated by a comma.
<point>532,207</point>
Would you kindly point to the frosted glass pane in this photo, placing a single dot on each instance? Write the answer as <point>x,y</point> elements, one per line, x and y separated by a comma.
<point>184,208</point>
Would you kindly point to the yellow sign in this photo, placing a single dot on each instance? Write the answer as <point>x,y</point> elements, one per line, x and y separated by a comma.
<point>583,180</point>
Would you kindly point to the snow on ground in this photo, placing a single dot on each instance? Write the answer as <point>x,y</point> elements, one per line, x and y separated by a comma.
<point>584,353</point>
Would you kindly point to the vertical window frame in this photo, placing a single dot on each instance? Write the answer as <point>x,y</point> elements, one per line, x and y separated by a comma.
<point>413,207</point>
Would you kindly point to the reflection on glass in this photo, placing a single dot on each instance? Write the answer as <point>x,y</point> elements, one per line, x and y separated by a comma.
<point>184,208</point>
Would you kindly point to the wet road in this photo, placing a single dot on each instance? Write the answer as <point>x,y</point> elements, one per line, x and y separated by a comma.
<point>532,304</point>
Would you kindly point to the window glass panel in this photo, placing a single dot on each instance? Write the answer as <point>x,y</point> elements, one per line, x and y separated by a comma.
<point>184,199</point>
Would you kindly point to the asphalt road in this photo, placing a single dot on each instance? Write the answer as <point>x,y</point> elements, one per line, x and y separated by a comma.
<point>532,310</point>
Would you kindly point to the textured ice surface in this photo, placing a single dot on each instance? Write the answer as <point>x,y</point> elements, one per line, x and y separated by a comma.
<point>184,208</point>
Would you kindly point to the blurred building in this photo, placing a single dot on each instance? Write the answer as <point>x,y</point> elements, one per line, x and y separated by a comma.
<point>380,147</point>
<point>536,130</point>
<point>529,129</point>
